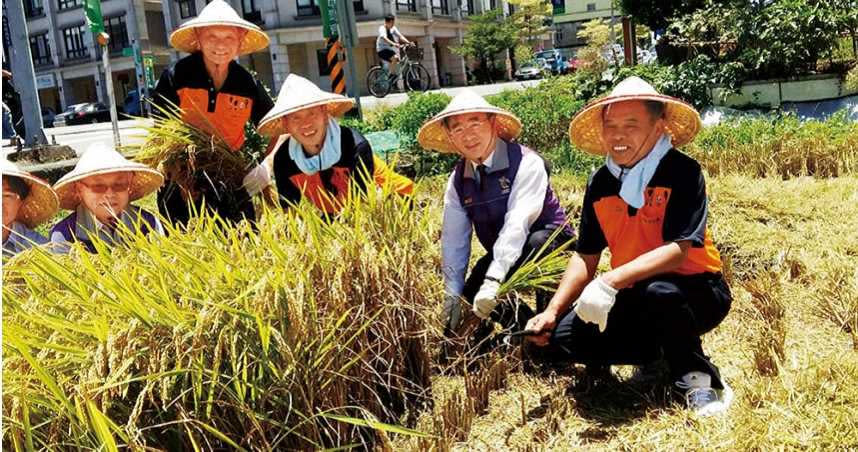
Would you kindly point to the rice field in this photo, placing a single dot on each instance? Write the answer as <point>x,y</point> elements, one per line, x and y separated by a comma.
<point>305,334</point>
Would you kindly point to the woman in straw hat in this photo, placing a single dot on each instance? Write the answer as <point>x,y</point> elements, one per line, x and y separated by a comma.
<point>500,190</point>
<point>215,94</point>
<point>648,205</point>
<point>27,202</point>
<point>98,191</point>
<point>320,158</point>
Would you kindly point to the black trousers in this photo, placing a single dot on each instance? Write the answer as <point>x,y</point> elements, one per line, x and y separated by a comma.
<point>666,315</point>
<point>514,314</point>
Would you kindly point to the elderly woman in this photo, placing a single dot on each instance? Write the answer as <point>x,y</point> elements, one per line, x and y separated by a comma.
<point>27,202</point>
<point>99,191</point>
<point>320,158</point>
<point>500,190</point>
<point>215,94</point>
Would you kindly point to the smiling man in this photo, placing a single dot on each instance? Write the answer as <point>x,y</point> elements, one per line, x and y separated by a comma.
<point>500,191</point>
<point>648,205</point>
<point>217,95</point>
<point>316,158</point>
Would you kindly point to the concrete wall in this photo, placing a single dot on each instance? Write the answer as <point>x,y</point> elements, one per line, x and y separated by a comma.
<point>771,93</point>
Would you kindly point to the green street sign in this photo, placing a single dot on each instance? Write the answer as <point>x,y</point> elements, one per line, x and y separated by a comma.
<point>149,70</point>
<point>329,18</point>
<point>127,51</point>
<point>92,11</point>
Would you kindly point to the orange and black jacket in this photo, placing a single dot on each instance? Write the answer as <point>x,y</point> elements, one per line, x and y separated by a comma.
<point>675,209</point>
<point>328,188</point>
<point>223,112</point>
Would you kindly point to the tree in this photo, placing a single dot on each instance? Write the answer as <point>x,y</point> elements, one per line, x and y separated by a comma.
<point>770,39</point>
<point>592,58</point>
<point>531,19</point>
<point>488,35</point>
<point>657,14</point>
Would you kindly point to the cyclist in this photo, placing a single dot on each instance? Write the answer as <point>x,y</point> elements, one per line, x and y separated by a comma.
<point>387,44</point>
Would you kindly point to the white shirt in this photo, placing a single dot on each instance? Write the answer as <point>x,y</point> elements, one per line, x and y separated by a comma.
<point>526,198</point>
<point>381,41</point>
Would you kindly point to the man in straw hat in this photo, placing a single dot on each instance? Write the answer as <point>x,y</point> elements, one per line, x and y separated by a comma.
<point>98,192</point>
<point>648,205</point>
<point>320,158</point>
<point>27,202</point>
<point>215,94</point>
<point>499,190</point>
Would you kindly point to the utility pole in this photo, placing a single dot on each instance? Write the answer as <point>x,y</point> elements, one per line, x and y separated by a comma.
<point>349,36</point>
<point>23,75</point>
<point>92,11</point>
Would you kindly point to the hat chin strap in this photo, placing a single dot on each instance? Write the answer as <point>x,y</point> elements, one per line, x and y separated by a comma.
<point>637,153</point>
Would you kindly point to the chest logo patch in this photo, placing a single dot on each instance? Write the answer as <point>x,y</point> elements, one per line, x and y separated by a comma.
<point>505,184</point>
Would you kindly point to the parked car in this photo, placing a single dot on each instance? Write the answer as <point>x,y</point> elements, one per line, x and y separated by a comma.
<point>85,113</point>
<point>572,65</point>
<point>531,70</point>
<point>48,116</point>
<point>554,60</point>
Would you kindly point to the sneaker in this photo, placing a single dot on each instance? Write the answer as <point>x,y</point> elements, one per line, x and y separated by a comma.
<point>701,397</point>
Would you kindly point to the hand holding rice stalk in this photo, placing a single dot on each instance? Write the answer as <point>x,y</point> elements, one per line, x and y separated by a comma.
<point>542,272</point>
<point>194,157</point>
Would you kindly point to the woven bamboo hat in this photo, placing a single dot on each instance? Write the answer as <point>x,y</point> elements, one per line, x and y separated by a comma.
<point>41,204</point>
<point>682,120</point>
<point>101,159</point>
<point>298,93</point>
<point>218,12</point>
<point>433,134</point>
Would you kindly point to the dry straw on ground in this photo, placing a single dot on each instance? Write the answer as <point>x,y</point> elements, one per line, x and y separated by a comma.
<point>306,334</point>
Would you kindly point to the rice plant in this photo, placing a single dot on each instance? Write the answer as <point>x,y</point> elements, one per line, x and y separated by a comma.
<point>307,332</point>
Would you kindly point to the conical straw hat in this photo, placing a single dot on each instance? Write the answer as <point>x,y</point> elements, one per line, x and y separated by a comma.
<point>41,204</point>
<point>434,136</point>
<point>681,119</point>
<point>101,159</point>
<point>218,12</point>
<point>298,93</point>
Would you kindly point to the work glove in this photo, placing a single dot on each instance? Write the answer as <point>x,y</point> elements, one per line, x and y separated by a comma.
<point>486,299</point>
<point>257,179</point>
<point>595,303</point>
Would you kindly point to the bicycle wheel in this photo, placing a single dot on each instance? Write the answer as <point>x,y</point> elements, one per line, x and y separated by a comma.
<point>377,82</point>
<point>417,78</point>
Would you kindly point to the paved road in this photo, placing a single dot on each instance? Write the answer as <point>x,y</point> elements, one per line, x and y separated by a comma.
<point>132,132</point>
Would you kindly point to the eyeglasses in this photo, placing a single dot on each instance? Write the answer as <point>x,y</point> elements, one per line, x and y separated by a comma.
<point>10,196</point>
<point>116,187</point>
<point>471,127</point>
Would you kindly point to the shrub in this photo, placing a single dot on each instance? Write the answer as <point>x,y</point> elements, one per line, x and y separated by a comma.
<point>545,111</point>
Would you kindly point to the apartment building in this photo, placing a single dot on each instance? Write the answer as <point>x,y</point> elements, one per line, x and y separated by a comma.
<point>297,45</point>
<point>570,15</point>
<point>67,60</point>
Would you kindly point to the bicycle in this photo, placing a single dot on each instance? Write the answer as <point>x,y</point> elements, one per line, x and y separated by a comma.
<point>416,78</point>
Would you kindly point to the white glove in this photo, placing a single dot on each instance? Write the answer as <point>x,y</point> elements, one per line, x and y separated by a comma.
<point>257,179</point>
<point>595,303</point>
<point>485,301</point>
